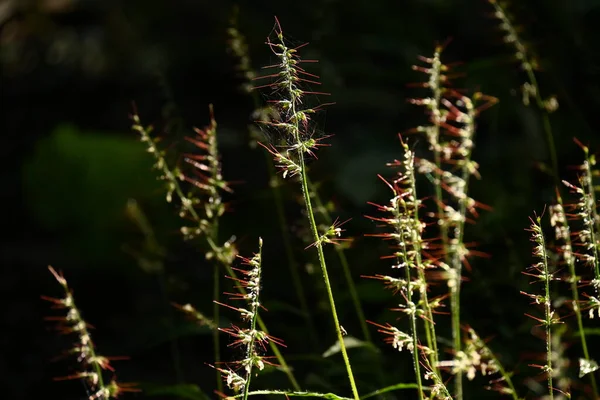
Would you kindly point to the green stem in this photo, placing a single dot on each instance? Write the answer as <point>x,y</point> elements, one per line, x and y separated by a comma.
<point>437,89</point>
<point>289,78</point>
<point>318,245</point>
<point>545,275</point>
<point>216,317</point>
<point>413,328</point>
<point>294,268</point>
<point>505,376</point>
<point>280,359</point>
<point>574,280</point>
<point>254,306</point>
<point>345,266</point>
<point>456,256</point>
<point>589,198</point>
<point>428,320</point>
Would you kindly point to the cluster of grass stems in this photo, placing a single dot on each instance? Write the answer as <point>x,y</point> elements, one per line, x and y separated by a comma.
<point>426,232</point>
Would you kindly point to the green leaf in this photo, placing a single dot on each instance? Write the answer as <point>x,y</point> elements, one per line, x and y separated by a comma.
<point>330,396</point>
<point>398,386</point>
<point>588,331</point>
<point>349,342</point>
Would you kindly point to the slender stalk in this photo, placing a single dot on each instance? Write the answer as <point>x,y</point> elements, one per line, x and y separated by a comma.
<point>213,234</point>
<point>216,318</point>
<point>591,218</point>
<point>293,264</point>
<point>407,229</point>
<point>428,320</point>
<point>505,376</point>
<point>548,325</point>
<point>414,331</point>
<point>456,257</point>
<point>322,263</point>
<point>563,233</point>
<point>489,363</point>
<point>344,263</point>
<point>532,87</point>
<point>436,82</point>
<point>294,127</point>
<point>263,327</point>
<point>239,48</point>
<point>254,307</point>
<point>541,271</point>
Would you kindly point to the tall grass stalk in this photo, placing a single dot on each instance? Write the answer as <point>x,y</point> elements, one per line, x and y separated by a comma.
<point>251,339</point>
<point>239,49</point>
<point>341,254</point>
<point>402,215</point>
<point>293,127</point>
<point>531,88</point>
<point>453,115</point>
<point>540,270</point>
<point>558,219</point>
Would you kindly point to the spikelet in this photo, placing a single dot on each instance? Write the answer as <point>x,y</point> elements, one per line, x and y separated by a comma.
<point>93,368</point>
<point>253,342</point>
<point>540,271</point>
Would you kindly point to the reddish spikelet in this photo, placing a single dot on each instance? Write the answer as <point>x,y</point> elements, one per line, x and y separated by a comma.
<point>91,365</point>
<point>293,125</point>
<point>207,165</point>
<point>252,340</point>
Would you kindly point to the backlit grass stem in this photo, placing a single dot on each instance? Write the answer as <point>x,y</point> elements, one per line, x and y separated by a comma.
<point>294,127</point>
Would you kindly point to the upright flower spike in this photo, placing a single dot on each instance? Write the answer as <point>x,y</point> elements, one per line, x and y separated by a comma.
<point>540,270</point>
<point>406,228</point>
<point>204,208</point>
<point>587,210</point>
<point>587,241</point>
<point>436,84</point>
<point>295,127</point>
<point>296,130</point>
<point>92,366</point>
<point>558,219</point>
<point>450,135</point>
<point>252,340</point>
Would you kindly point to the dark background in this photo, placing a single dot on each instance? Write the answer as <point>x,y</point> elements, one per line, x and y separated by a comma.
<point>70,71</point>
